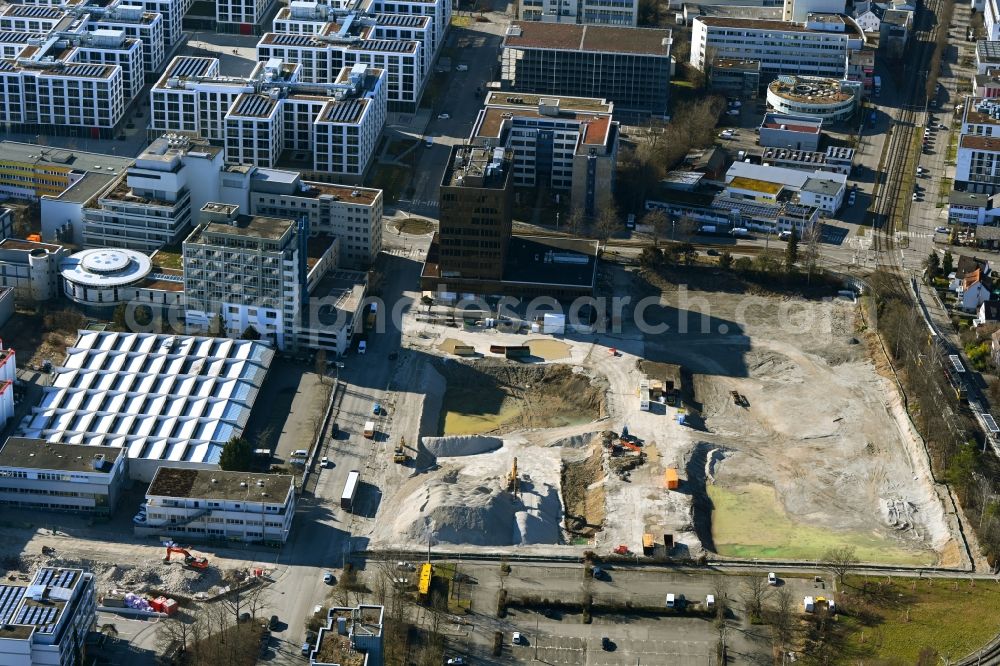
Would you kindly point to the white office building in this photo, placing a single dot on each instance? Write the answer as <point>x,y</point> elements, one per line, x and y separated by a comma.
<point>35,474</point>
<point>165,399</point>
<point>991,20</point>
<point>233,15</point>
<point>199,505</point>
<point>818,47</point>
<point>600,12</point>
<point>329,130</point>
<point>773,185</point>
<point>31,269</point>
<point>45,622</point>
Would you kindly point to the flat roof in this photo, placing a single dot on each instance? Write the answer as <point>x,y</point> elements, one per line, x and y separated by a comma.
<point>518,100</point>
<point>981,142</point>
<point>573,261</point>
<point>254,226</point>
<point>218,484</point>
<point>87,188</point>
<point>982,111</point>
<point>772,25</point>
<point>988,50</point>
<point>811,89</point>
<point>755,185</point>
<point>957,198</point>
<point>71,160</point>
<point>27,246</point>
<point>344,289</point>
<point>592,38</point>
<point>30,453</point>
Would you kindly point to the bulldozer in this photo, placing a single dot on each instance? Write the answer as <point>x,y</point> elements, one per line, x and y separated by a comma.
<point>399,454</point>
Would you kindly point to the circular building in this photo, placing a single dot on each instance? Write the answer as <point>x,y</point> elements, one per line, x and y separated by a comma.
<point>100,279</point>
<point>828,99</point>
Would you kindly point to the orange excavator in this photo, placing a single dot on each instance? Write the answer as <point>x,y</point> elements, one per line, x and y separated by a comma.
<point>190,561</point>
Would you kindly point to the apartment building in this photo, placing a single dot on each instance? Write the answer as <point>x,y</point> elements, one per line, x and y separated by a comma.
<point>46,620</point>
<point>242,16</point>
<point>991,19</point>
<point>329,129</point>
<point>562,143</point>
<point>977,164</point>
<point>820,46</point>
<point>601,12</point>
<point>35,474</point>
<point>194,504</point>
<point>627,66</point>
<point>402,60</point>
<point>31,269</point>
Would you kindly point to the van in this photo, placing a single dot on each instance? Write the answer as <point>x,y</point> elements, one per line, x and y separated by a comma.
<point>300,453</point>
<point>784,235</point>
<point>362,347</point>
<point>671,602</point>
<point>630,221</point>
<point>709,601</point>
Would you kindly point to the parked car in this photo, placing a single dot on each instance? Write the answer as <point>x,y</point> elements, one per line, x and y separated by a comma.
<point>516,638</point>
<point>606,644</point>
<point>324,462</point>
<point>941,230</point>
<point>461,68</point>
<point>771,578</point>
<point>377,408</point>
<point>456,661</point>
<point>273,624</point>
<point>444,116</point>
<point>139,519</point>
<point>328,578</point>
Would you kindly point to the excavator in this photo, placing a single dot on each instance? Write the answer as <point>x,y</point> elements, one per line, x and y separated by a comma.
<point>399,453</point>
<point>190,561</point>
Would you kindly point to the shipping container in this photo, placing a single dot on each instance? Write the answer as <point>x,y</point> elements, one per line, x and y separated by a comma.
<point>647,544</point>
<point>670,479</point>
<point>517,352</point>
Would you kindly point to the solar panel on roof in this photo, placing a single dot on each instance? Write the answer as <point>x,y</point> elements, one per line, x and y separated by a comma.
<point>991,423</point>
<point>254,105</point>
<point>956,363</point>
<point>10,596</point>
<point>85,70</point>
<point>344,112</point>
<point>187,67</point>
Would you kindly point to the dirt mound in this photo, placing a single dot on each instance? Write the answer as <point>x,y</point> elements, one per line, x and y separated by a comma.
<point>583,493</point>
<point>444,447</point>
<point>491,396</point>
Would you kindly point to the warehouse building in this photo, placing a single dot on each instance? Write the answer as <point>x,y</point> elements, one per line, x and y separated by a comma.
<point>165,399</point>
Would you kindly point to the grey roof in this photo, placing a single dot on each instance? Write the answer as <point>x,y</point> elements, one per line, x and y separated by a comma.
<point>88,187</point>
<point>216,484</point>
<point>957,198</point>
<point>31,453</point>
<point>988,50</point>
<point>63,157</point>
<point>822,186</point>
<point>984,232</point>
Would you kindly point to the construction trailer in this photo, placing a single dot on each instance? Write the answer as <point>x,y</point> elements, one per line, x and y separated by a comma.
<point>644,395</point>
<point>670,479</point>
<point>647,545</point>
<point>370,429</point>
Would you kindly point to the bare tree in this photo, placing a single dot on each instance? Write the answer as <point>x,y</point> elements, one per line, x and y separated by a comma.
<point>754,592</point>
<point>720,588</point>
<point>839,561</point>
<point>175,633</point>
<point>784,616</point>
<point>319,365</point>
<point>575,221</point>
<point>809,250</point>
<point>608,222</point>
<point>657,220</point>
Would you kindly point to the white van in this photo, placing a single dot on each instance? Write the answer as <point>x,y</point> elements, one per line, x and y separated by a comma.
<point>671,603</point>
<point>362,347</point>
<point>300,453</point>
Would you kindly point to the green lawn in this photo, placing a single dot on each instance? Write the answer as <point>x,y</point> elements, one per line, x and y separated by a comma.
<point>749,522</point>
<point>895,622</point>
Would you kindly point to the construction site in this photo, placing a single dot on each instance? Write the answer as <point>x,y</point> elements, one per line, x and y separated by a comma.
<point>764,430</point>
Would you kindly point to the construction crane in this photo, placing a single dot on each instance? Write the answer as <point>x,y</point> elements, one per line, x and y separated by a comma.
<point>513,482</point>
<point>190,561</point>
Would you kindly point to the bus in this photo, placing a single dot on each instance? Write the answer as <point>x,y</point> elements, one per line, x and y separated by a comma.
<point>350,490</point>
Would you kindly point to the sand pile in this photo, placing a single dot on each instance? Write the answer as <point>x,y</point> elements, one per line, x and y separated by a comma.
<point>466,501</point>
<point>469,445</point>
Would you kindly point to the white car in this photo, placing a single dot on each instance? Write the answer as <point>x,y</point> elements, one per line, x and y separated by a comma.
<point>772,579</point>
<point>516,638</point>
<point>328,578</point>
<point>139,519</point>
<point>461,68</point>
<point>324,462</point>
<point>443,116</point>
<point>456,661</point>
<point>941,230</point>
<point>851,199</point>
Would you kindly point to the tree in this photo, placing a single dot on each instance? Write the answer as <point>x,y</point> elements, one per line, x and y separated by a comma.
<point>319,365</point>
<point>933,264</point>
<point>810,253</point>
<point>118,318</point>
<point>608,222</point>
<point>687,252</point>
<point>839,561</point>
<point>754,592</point>
<point>217,327</point>
<point>650,257</point>
<point>574,221</point>
<point>792,251</point>
<point>237,456</point>
<point>250,333</point>
<point>657,220</point>
<point>947,263</point>
<point>725,260</point>
<point>784,616</point>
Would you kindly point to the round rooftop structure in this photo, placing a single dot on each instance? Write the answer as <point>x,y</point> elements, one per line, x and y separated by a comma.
<point>106,268</point>
<point>829,99</point>
<point>103,278</point>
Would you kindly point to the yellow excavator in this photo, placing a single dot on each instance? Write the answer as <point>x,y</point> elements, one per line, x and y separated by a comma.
<point>399,455</point>
<point>513,481</point>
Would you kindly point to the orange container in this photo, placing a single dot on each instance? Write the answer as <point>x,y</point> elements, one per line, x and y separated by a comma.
<point>670,480</point>
<point>170,606</point>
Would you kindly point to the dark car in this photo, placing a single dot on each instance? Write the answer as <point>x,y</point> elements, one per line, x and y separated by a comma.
<point>712,253</point>
<point>273,624</point>
<point>606,644</point>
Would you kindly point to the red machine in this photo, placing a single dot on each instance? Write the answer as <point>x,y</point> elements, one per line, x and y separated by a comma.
<point>190,560</point>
